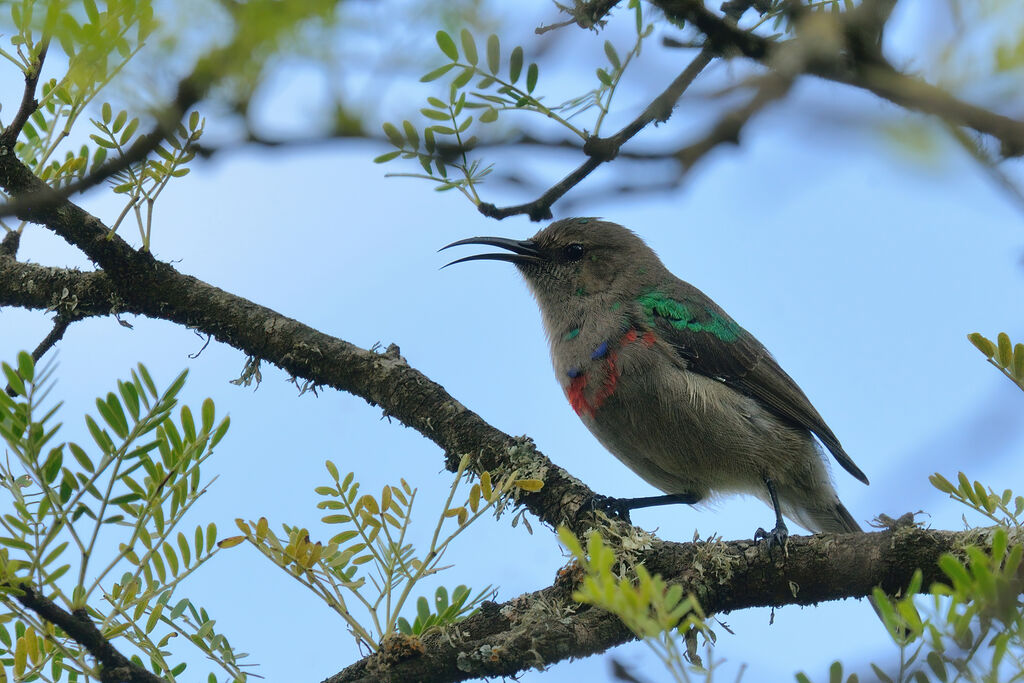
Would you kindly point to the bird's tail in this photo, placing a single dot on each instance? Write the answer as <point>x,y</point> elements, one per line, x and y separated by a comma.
<point>832,517</point>
<point>839,520</point>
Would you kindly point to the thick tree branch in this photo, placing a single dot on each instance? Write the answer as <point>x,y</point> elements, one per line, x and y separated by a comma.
<point>148,287</point>
<point>10,243</point>
<point>114,666</point>
<point>544,627</point>
<point>71,293</point>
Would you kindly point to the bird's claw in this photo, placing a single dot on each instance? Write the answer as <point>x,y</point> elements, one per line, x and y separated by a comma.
<point>778,536</point>
<point>613,507</point>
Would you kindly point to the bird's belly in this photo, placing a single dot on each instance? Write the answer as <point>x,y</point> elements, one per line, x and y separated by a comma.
<point>686,433</point>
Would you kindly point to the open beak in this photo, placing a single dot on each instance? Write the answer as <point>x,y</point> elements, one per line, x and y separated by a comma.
<point>523,251</point>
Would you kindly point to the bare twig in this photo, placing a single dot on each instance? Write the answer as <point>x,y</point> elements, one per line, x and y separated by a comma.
<point>605,149</point>
<point>727,129</point>
<point>55,335</point>
<point>987,163</point>
<point>60,326</point>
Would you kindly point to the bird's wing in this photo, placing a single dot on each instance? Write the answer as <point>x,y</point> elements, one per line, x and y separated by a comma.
<point>715,346</point>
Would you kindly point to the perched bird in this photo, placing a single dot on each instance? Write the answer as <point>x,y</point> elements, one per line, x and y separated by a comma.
<point>669,383</point>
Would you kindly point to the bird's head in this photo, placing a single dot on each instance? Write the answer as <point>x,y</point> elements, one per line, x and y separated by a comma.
<point>575,258</point>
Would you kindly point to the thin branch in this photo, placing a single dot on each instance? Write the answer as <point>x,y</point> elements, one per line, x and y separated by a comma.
<point>600,150</point>
<point>55,335</point>
<point>659,110</point>
<point>115,667</point>
<point>918,95</point>
<point>727,130</point>
<point>990,165</point>
<point>60,326</point>
<point>29,104</point>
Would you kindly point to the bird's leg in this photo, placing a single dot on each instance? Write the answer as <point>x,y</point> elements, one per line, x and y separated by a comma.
<point>780,534</point>
<point>620,507</point>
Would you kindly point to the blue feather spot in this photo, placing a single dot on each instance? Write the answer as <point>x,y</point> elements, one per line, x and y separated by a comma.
<point>600,351</point>
<point>574,373</point>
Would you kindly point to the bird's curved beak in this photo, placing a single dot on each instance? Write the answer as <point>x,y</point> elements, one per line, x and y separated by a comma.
<point>523,251</point>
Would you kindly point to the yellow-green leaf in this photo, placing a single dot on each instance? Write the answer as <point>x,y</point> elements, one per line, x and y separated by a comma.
<point>469,47</point>
<point>447,45</point>
<point>1005,350</point>
<point>984,345</point>
<point>230,541</point>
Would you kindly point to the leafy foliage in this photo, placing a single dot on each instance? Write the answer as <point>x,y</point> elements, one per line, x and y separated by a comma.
<point>98,44</point>
<point>144,181</point>
<point>835,675</point>
<point>501,85</point>
<point>1003,354</point>
<point>373,534</point>
<point>971,625</point>
<point>128,491</point>
<point>97,40</point>
<point>652,609</point>
<point>445,611</point>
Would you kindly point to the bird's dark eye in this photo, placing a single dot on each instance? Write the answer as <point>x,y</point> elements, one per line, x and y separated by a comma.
<point>573,252</point>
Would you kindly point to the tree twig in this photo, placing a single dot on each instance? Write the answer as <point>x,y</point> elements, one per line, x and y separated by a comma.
<point>727,129</point>
<point>60,325</point>
<point>600,150</point>
<point>28,98</point>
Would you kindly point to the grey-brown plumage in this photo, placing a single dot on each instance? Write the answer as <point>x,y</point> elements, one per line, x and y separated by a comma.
<point>669,383</point>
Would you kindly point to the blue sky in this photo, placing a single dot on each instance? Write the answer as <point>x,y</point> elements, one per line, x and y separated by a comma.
<point>860,264</point>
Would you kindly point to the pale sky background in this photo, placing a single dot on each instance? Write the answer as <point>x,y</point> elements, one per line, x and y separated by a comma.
<point>861,265</point>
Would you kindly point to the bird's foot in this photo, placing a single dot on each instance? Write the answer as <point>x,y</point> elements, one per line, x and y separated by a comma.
<point>778,536</point>
<point>613,507</point>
